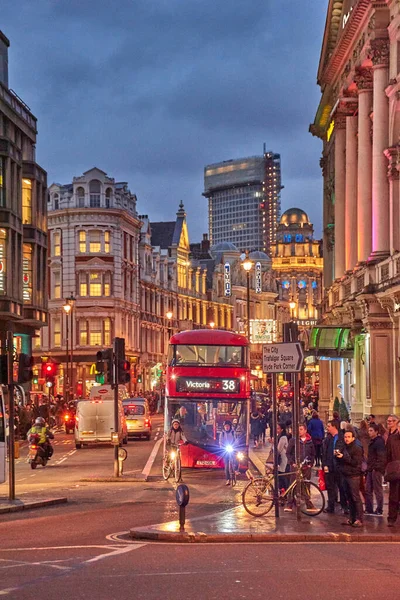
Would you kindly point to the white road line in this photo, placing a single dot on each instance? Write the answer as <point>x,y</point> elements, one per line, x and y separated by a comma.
<point>6,591</point>
<point>152,458</point>
<point>101,546</point>
<point>115,553</point>
<point>62,460</point>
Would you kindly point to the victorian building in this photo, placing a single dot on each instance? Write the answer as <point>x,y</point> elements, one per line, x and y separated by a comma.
<point>23,219</point>
<point>94,234</point>
<point>358,122</point>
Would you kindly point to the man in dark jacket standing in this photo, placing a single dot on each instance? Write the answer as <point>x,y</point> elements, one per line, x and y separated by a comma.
<point>392,455</point>
<point>307,451</point>
<point>330,465</point>
<point>350,459</point>
<point>376,462</point>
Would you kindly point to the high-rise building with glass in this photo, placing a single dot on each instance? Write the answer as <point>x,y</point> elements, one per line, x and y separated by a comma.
<point>244,201</point>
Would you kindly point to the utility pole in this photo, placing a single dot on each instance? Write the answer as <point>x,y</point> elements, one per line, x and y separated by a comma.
<point>11,414</point>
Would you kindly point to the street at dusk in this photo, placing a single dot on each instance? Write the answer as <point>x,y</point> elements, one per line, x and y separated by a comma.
<point>199,299</point>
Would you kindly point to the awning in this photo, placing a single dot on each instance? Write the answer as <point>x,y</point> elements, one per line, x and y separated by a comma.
<point>331,342</point>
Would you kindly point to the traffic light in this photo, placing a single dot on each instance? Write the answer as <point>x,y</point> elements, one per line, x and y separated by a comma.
<point>25,372</point>
<point>49,371</point>
<point>104,366</point>
<point>123,365</point>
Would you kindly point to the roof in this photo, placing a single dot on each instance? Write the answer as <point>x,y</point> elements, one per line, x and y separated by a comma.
<point>258,255</point>
<point>162,234</point>
<point>210,337</point>
<point>294,216</point>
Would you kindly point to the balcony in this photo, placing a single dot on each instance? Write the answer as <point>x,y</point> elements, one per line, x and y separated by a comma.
<point>18,106</point>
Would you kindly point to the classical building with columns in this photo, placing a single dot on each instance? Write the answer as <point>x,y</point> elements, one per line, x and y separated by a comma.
<point>358,120</point>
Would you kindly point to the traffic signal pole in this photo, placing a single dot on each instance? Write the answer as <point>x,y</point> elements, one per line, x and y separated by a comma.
<point>116,409</point>
<point>11,415</point>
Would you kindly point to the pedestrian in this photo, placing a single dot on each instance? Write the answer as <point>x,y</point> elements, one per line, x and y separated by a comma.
<point>307,453</point>
<point>255,427</point>
<point>376,462</point>
<point>282,456</point>
<point>391,422</point>
<point>264,424</point>
<point>317,432</point>
<point>363,436</point>
<point>333,480</point>
<point>392,474</point>
<point>350,457</point>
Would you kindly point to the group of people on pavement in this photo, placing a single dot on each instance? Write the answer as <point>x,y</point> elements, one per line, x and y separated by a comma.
<point>355,469</point>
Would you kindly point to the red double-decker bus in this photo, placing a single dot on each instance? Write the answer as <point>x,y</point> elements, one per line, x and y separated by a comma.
<point>208,382</point>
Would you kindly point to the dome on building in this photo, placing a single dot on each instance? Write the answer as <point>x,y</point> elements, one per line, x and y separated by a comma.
<point>294,216</point>
<point>258,255</point>
<point>224,247</point>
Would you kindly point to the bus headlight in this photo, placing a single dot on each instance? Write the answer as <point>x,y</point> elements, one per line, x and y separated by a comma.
<point>240,456</point>
<point>229,448</point>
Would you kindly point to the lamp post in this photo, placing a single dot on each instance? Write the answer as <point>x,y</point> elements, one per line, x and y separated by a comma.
<point>212,324</point>
<point>292,306</point>
<point>169,316</point>
<point>68,309</point>
<point>247,266</point>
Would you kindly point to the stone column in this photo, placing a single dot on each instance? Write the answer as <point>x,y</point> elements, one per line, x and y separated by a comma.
<point>351,193</point>
<point>380,142</point>
<point>364,168</point>
<point>340,194</point>
<point>392,155</point>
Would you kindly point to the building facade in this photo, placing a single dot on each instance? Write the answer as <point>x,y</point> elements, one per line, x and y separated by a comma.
<point>358,122</point>
<point>244,201</point>
<point>23,219</point>
<point>94,234</point>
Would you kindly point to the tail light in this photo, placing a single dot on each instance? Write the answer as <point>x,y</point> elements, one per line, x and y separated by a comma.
<point>147,422</point>
<point>66,417</point>
<point>34,447</point>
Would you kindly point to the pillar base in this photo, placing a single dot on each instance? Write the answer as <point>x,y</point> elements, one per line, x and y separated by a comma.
<point>378,256</point>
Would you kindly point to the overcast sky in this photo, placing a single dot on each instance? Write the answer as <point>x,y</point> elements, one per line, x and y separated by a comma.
<point>151,91</point>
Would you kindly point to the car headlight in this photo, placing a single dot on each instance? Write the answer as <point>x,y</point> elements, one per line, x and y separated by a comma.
<point>240,456</point>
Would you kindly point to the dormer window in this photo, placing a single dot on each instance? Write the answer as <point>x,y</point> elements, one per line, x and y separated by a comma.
<point>80,192</point>
<point>108,197</point>
<point>94,190</point>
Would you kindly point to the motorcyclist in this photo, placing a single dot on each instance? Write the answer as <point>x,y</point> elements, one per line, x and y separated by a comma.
<point>45,435</point>
<point>227,438</point>
<point>175,435</point>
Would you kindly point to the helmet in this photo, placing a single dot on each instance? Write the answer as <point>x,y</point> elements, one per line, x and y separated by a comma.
<point>40,421</point>
<point>227,423</point>
<point>176,421</point>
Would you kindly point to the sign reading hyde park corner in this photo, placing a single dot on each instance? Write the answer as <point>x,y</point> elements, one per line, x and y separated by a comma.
<point>282,358</point>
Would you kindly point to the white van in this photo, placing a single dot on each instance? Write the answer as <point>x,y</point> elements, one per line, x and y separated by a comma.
<point>94,421</point>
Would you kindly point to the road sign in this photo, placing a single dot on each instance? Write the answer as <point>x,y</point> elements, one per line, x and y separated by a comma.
<point>283,358</point>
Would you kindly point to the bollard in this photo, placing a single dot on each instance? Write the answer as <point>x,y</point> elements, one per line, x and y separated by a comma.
<point>122,456</point>
<point>182,500</point>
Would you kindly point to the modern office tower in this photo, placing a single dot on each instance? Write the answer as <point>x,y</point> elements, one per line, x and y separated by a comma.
<point>23,219</point>
<point>244,201</point>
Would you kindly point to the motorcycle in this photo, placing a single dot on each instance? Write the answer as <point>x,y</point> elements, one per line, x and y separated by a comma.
<point>69,422</point>
<point>37,455</point>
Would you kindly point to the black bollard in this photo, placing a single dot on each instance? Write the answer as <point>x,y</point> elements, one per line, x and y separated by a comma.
<point>182,500</point>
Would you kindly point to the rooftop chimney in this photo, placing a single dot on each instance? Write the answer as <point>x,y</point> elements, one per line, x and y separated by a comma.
<point>4,45</point>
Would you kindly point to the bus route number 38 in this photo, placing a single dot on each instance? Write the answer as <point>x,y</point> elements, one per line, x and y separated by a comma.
<point>229,385</point>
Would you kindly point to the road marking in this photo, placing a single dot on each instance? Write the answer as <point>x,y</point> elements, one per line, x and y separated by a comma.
<point>7,591</point>
<point>152,458</point>
<point>80,547</point>
<point>115,553</point>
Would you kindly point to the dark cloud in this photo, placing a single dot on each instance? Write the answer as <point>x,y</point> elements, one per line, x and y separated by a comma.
<point>152,90</point>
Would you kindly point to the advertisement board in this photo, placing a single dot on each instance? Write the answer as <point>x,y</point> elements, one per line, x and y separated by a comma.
<point>262,331</point>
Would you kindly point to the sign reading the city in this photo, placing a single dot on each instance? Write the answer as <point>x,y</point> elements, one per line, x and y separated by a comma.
<point>283,358</point>
<point>227,279</point>
<point>262,331</point>
<point>204,385</point>
<point>258,278</point>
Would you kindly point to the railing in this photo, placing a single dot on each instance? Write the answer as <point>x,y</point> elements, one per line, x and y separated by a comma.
<point>18,106</point>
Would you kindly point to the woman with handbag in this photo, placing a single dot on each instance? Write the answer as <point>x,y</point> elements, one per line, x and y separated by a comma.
<point>392,475</point>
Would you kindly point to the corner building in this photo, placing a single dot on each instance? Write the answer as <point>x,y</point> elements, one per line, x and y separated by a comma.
<point>359,124</point>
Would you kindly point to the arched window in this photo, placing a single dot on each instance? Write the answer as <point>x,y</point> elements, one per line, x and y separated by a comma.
<point>108,197</point>
<point>94,191</point>
<point>80,192</point>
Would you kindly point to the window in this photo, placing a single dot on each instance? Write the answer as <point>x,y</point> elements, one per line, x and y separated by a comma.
<point>82,241</point>
<point>107,242</point>
<point>56,284</point>
<point>95,333</point>
<point>83,337</point>
<point>107,332</point>
<point>56,202</point>
<point>94,190</point>
<point>57,243</point>
<point>26,201</point>
<point>94,241</point>
<point>95,284</point>
<point>57,333</point>
<point>2,181</point>
<point>80,192</point>
<point>108,197</point>
<point>27,274</point>
<point>107,284</point>
<point>3,260</point>
<point>82,284</point>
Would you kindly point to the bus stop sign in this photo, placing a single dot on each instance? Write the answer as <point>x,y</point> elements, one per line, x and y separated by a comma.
<point>283,358</point>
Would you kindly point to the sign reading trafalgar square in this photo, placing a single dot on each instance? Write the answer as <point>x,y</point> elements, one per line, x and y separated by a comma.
<point>283,358</point>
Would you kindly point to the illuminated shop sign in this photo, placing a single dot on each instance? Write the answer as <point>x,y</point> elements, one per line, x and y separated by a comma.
<point>201,384</point>
<point>262,331</point>
<point>227,279</point>
<point>258,278</point>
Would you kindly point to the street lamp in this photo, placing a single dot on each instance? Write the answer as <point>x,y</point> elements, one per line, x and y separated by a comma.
<point>169,315</point>
<point>292,305</point>
<point>68,378</point>
<point>212,324</point>
<point>247,266</point>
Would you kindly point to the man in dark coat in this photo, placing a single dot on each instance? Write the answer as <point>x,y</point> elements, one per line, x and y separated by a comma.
<point>392,455</point>
<point>332,474</point>
<point>350,459</point>
<point>376,463</point>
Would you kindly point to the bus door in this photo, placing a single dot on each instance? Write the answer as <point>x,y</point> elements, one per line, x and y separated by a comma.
<point>3,441</point>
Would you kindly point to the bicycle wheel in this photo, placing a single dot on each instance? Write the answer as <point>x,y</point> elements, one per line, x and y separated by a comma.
<point>232,473</point>
<point>312,500</point>
<point>258,497</point>
<point>178,469</point>
<point>166,468</point>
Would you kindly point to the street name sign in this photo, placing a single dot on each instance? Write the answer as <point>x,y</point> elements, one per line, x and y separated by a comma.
<point>283,358</point>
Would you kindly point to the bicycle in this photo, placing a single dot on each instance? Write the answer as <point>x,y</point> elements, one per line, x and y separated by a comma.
<point>258,495</point>
<point>231,468</point>
<point>172,463</point>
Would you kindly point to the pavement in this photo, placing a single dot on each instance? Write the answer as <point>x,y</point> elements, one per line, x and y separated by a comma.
<point>18,505</point>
